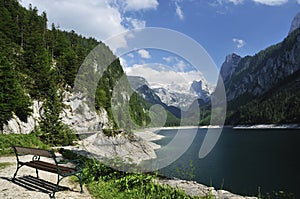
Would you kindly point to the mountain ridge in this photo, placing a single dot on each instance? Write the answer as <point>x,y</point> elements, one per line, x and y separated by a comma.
<point>264,88</point>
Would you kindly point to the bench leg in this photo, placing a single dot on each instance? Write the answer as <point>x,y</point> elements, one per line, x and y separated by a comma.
<point>80,181</point>
<point>52,195</point>
<point>15,174</point>
<point>37,173</point>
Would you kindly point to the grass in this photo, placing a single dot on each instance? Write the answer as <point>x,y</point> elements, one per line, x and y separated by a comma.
<point>28,140</point>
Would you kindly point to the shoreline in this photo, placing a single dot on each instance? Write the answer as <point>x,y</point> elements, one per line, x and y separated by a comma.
<point>152,130</point>
<point>268,126</point>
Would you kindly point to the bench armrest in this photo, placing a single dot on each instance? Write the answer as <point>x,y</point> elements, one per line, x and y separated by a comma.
<point>79,164</point>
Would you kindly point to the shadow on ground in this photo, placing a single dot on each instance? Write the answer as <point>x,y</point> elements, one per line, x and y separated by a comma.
<point>35,184</point>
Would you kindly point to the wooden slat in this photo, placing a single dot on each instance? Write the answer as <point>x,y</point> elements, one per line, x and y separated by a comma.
<point>45,166</point>
<point>33,151</point>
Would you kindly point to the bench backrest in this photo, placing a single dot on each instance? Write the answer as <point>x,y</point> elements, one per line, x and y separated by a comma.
<point>33,151</point>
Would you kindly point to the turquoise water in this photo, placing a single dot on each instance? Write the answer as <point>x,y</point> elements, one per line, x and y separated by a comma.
<point>242,161</point>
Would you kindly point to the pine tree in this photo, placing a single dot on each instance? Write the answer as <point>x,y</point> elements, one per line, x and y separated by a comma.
<point>51,129</point>
<point>7,83</point>
<point>12,97</point>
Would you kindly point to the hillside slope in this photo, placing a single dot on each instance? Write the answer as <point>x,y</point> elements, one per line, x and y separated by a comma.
<point>264,88</point>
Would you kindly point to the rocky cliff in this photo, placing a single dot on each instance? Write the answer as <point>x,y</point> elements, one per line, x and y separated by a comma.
<point>230,65</point>
<point>76,114</point>
<point>255,75</point>
<point>264,88</point>
<point>295,23</point>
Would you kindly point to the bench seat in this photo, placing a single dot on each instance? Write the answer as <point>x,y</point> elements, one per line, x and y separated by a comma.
<point>46,166</point>
<point>62,169</point>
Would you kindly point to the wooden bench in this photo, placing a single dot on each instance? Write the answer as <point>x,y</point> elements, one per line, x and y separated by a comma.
<point>57,167</point>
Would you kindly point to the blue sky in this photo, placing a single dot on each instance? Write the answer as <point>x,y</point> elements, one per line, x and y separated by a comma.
<point>220,26</point>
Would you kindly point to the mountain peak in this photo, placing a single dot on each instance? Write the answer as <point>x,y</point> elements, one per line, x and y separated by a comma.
<point>229,65</point>
<point>137,81</point>
<point>295,23</point>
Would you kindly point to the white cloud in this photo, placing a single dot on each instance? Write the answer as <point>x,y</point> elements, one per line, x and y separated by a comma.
<point>136,23</point>
<point>236,2</point>
<point>134,5</point>
<point>177,63</point>
<point>144,54</point>
<point>130,55</point>
<point>298,1</point>
<point>216,3</point>
<point>180,65</point>
<point>239,42</point>
<point>156,74</point>
<point>271,2</point>
<point>89,18</point>
<point>179,11</point>
<point>168,59</point>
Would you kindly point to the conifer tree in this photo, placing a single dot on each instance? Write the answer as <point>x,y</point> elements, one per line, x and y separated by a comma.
<point>51,128</point>
<point>12,97</point>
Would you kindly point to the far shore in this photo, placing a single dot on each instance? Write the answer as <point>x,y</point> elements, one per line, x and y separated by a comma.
<point>150,135</point>
<point>268,126</point>
<point>254,126</point>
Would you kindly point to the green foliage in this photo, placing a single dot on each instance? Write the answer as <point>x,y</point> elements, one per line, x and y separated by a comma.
<point>31,52</point>
<point>28,140</point>
<point>51,130</point>
<point>12,96</point>
<point>276,106</point>
<point>280,103</point>
<point>106,182</point>
<point>28,50</point>
<point>137,110</point>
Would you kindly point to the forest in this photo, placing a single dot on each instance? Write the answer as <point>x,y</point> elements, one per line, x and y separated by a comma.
<point>40,62</point>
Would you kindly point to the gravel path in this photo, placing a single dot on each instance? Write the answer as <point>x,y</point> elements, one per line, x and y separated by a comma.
<point>27,186</point>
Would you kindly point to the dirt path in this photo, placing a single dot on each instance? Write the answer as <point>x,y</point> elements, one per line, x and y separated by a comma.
<point>27,186</point>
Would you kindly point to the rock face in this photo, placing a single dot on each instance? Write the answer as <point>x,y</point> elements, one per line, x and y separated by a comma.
<point>15,125</point>
<point>129,148</point>
<point>198,89</point>
<point>295,23</point>
<point>136,82</point>
<point>76,114</point>
<point>195,189</point>
<point>149,95</point>
<point>230,65</point>
<point>255,75</point>
<point>80,117</point>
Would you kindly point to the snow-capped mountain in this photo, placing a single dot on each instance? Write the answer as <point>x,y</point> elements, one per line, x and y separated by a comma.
<point>180,95</point>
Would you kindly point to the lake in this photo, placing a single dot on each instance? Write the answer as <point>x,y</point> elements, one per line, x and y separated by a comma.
<point>242,161</point>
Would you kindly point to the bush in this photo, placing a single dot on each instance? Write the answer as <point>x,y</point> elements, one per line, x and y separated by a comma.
<point>28,140</point>
<point>61,136</point>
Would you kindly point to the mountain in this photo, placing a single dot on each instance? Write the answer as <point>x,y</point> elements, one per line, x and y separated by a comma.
<point>141,86</point>
<point>295,23</point>
<point>264,88</point>
<point>136,82</point>
<point>175,95</point>
<point>230,65</point>
<point>197,88</point>
<point>149,95</point>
